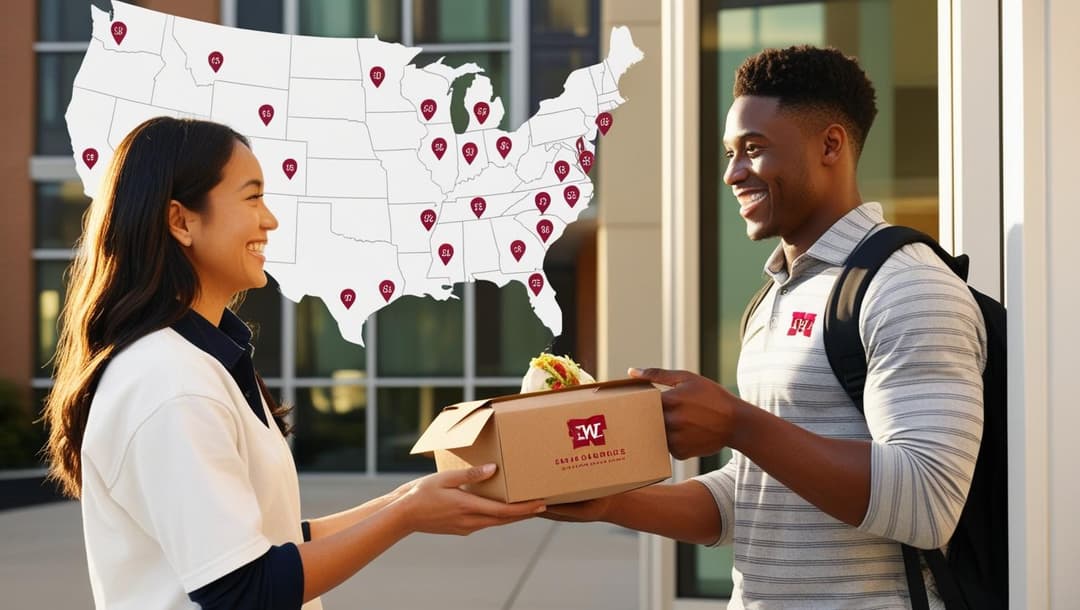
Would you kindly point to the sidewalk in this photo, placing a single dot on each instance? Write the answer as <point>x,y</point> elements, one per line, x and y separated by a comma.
<point>531,565</point>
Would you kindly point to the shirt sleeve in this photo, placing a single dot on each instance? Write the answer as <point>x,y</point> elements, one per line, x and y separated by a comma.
<point>721,483</point>
<point>926,348</point>
<point>184,481</point>
<point>274,581</point>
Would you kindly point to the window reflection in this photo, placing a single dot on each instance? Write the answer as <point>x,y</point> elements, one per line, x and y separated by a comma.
<point>404,414</point>
<point>351,18</point>
<point>461,20</point>
<point>331,428</point>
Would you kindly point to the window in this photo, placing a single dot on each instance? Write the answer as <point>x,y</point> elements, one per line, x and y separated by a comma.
<point>896,43</point>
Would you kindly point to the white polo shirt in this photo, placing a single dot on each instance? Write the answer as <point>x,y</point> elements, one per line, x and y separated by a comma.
<point>182,483</point>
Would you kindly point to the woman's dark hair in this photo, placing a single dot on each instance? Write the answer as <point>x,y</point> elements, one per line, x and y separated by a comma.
<point>823,81</point>
<point>130,276</point>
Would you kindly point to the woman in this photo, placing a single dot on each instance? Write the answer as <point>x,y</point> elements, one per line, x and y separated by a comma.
<point>158,420</point>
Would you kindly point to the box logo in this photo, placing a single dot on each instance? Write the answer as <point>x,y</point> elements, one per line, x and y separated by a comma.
<point>585,432</point>
<point>801,323</point>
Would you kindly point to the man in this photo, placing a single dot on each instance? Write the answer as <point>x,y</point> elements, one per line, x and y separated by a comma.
<point>817,495</point>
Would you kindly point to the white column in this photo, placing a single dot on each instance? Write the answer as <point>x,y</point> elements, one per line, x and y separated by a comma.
<point>1039,130</point>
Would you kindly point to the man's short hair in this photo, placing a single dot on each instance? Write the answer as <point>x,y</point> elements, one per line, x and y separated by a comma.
<point>814,80</point>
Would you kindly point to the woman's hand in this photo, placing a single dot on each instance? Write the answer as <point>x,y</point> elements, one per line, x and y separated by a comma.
<point>436,504</point>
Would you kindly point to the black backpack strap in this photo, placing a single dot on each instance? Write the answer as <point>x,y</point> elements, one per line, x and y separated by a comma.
<point>752,306</point>
<point>913,571</point>
<point>843,343</point>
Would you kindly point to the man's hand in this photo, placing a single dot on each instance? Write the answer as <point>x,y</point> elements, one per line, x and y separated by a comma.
<point>579,512</point>
<point>699,414</point>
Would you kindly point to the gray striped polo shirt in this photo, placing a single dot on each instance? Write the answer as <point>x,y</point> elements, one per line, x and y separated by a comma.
<point>926,348</point>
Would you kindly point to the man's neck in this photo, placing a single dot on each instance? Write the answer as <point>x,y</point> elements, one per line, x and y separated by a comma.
<point>796,244</point>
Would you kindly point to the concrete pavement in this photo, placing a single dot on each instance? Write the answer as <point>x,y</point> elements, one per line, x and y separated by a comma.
<point>530,565</point>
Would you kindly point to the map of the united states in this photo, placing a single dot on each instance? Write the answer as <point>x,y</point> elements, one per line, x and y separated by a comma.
<point>376,195</point>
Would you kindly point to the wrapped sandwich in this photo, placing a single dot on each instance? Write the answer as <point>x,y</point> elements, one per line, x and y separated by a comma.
<point>551,372</point>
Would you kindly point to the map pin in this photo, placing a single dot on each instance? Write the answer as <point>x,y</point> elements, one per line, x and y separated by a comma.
<point>586,159</point>
<point>562,169</point>
<point>348,297</point>
<point>386,289</point>
<point>266,113</point>
<point>90,157</point>
<point>580,145</point>
<point>536,283</point>
<point>427,108</point>
<point>438,146</point>
<point>215,59</point>
<point>478,206</point>
<point>427,218</point>
<point>543,200</point>
<point>469,152</point>
<point>504,144</point>
<point>481,110</point>
<point>571,194</point>
<point>289,167</point>
<point>377,75</point>
<point>603,121</point>
<point>517,248</point>
<point>119,30</point>
<point>544,228</point>
<point>446,252</point>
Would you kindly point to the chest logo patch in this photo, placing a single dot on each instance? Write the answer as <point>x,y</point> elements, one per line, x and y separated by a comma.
<point>801,323</point>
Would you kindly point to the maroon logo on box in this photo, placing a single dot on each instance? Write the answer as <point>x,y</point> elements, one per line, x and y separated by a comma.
<point>585,432</point>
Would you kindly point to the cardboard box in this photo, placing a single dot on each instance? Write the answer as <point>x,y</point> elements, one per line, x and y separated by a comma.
<point>566,445</point>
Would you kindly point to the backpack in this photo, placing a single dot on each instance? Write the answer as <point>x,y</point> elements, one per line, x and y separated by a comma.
<point>975,575</point>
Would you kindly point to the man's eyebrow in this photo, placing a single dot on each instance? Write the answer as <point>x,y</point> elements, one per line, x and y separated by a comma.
<point>252,182</point>
<point>743,136</point>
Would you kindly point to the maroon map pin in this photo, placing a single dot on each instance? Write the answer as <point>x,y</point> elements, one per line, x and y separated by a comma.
<point>478,206</point>
<point>481,110</point>
<point>603,121</point>
<point>90,157</point>
<point>571,194</point>
<point>504,144</point>
<point>215,60</point>
<point>543,200</point>
<point>536,283</point>
<point>469,152</point>
<point>562,169</point>
<point>427,108</point>
<point>517,248</point>
<point>266,113</point>
<point>427,218</point>
<point>586,160</point>
<point>377,75</point>
<point>348,297</point>
<point>545,228</point>
<point>438,146</point>
<point>446,252</point>
<point>289,167</point>
<point>580,145</point>
<point>386,289</point>
<point>119,30</point>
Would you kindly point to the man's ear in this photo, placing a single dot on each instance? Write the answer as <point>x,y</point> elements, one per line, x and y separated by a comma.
<point>834,144</point>
<point>180,219</point>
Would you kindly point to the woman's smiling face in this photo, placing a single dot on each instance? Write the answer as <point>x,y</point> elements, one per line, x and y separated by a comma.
<point>228,238</point>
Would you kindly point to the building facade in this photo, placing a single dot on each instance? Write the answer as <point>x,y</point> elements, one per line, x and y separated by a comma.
<point>972,144</point>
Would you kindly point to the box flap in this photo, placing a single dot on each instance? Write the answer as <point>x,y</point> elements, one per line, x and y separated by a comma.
<point>456,426</point>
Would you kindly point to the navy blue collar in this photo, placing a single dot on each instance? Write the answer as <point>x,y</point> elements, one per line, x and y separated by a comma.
<point>227,343</point>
